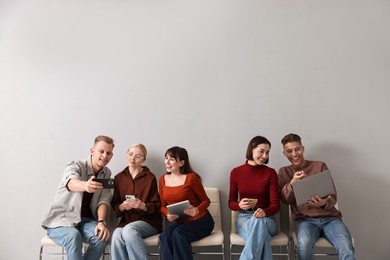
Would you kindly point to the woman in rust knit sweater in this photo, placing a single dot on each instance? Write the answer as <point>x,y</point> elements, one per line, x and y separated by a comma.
<point>254,192</point>
<point>178,184</point>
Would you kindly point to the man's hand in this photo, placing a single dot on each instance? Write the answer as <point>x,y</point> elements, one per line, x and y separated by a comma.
<point>318,201</point>
<point>102,230</point>
<point>91,186</point>
<point>297,176</point>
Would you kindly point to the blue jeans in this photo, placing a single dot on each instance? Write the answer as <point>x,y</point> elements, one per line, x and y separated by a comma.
<point>309,230</point>
<point>177,237</point>
<point>257,232</point>
<point>71,238</point>
<point>127,242</point>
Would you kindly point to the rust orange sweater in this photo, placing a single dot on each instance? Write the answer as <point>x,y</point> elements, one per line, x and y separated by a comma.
<point>191,190</point>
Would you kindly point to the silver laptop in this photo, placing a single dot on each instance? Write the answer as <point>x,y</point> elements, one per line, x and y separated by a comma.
<point>320,183</point>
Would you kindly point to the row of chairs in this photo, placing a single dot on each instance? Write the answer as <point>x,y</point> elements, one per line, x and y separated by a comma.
<point>215,241</point>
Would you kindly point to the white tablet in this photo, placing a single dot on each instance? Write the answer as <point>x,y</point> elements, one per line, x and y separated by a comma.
<point>178,208</point>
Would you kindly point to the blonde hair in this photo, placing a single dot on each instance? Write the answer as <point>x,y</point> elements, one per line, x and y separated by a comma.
<point>103,138</point>
<point>141,147</point>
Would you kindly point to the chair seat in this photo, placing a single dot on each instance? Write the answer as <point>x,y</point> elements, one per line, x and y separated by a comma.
<point>214,239</point>
<point>47,241</point>
<point>279,239</point>
<point>152,240</point>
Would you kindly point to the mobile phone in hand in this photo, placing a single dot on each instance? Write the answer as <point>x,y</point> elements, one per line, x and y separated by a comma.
<point>130,197</point>
<point>252,201</point>
<point>107,183</point>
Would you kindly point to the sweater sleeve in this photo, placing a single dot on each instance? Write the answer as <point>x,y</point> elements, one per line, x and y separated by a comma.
<point>153,203</point>
<point>286,191</point>
<point>233,193</point>
<point>198,189</point>
<point>163,207</point>
<point>274,200</point>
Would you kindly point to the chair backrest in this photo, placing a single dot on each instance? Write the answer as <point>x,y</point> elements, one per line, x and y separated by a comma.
<point>215,206</point>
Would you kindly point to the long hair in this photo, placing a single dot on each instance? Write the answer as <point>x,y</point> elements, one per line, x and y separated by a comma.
<point>180,154</point>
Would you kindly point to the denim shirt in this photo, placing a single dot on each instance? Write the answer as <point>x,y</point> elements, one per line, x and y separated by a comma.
<point>66,209</point>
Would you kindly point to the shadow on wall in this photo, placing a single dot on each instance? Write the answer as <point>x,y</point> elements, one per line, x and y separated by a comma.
<point>361,196</point>
<point>156,164</point>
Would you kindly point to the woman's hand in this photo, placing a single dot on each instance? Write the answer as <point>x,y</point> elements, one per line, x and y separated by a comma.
<point>259,213</point>
<point>126,205</point>
<point>137,204</point>
<point>132,204</point>
<point>246,203</point>
<point>172,217</point>
<point>193,211</point>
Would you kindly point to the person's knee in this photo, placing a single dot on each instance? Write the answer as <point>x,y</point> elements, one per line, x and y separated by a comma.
<point>345,247</point>
<point>116,235</point>
<point>304,249</point>
<point>179,235</point>
<point>305,242</point>
<point>130,233</point>
<point>94,241</point>
<point>73,236</point>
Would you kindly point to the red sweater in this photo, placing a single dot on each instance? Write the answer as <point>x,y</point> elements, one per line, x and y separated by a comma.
<point>256,182</point>
<point>191,190</point>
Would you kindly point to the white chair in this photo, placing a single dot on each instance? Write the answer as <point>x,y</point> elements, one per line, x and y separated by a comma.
<point>46,241</point>
<point>216,238</point>
<point>153,241</point>
<point>321,245</point>
<point>279,240</point>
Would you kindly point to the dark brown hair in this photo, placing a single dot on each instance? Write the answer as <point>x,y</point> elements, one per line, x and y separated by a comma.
<point>291,138</point>
<point>253,144</point>
<point>180,154</point>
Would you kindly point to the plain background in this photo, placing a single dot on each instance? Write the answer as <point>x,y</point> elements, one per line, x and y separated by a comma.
<point>207,75</point>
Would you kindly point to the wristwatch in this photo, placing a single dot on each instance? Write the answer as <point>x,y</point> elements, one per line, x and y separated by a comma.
<point>103,221</point>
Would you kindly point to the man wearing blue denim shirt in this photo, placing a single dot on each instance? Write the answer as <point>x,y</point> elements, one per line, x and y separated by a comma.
<point>81,205</point>
<point>318,217</point>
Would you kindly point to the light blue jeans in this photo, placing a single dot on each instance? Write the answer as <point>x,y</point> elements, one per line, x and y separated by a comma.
<point>257,232</point>
<point>334,230</point>
<point>71,239</point>
<point>127,242</point>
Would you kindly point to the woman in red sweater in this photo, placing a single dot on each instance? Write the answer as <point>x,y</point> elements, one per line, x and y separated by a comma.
<point>254,192</point>
<point>178,184</point>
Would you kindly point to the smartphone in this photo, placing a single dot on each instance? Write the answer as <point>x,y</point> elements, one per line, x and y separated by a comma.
<point>252,201</point>
<point>107,183</point>
<point>130,197</point>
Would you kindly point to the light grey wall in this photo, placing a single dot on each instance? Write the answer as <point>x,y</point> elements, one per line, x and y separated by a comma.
<point>205,75</point>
